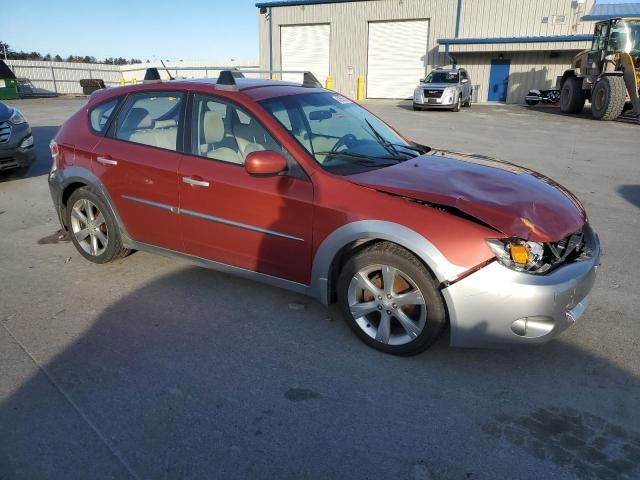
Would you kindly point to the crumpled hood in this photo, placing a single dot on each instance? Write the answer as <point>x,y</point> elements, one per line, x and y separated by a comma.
<point>5,112</point>
<point>513,200</point>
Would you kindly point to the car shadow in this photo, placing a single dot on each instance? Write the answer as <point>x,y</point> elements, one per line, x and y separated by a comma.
<point>631,193</point>
<point>202,375</point>
<point>42,164</point>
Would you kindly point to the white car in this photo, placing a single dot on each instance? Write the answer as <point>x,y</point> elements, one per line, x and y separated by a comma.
<point>448,88</point>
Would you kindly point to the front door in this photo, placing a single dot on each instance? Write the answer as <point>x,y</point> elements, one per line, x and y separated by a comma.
<point>499,80</point>
<point>138,163</point>
<point>263,224</point>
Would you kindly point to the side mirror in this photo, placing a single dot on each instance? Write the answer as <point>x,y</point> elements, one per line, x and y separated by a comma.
<point>265,163</point>
<point>465,80</point>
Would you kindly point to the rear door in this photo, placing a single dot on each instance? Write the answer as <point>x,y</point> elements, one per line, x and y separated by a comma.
<point>138,162</point>
<point>263,224</point>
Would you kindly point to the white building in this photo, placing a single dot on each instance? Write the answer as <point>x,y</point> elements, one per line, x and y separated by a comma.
<point>507,46</point>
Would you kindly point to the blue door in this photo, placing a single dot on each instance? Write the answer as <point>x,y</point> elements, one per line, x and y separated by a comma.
<point>499,80</point>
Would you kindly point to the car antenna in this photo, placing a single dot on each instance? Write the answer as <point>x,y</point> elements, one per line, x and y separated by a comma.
<point>167,70</point>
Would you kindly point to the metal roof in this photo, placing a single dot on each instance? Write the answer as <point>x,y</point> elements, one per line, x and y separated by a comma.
<point>549,39</point>
<point>291,3</point>
<point>604,11</point>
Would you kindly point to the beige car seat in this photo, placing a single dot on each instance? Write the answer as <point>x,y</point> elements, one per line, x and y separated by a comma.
<point>213,130</point>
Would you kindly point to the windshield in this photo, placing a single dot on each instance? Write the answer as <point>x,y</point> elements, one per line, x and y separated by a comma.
<point>625,37</point>
<point>440,76</point>
<point>340,135</point>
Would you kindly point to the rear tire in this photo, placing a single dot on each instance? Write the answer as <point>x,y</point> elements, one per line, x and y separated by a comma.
<point>572,96</point>
<point>386,319</point>
<point>92,228</point>
<point>608,98</point>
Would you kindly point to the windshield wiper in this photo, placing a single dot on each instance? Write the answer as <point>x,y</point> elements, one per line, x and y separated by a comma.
<point>363,159</point>
<point>381,140</point>
<point>420,150</point>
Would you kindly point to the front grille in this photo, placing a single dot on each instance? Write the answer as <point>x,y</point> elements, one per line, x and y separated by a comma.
<point>5,132</point>
<point>432,93</point>
<point>9,162</point>
<point>579,246</point>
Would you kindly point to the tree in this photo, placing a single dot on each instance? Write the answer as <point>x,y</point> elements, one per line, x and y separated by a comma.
<point>57,58</point>
<point>47,57</point>
<point>4,47</point>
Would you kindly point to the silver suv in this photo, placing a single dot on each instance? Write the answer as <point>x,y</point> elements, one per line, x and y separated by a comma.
<point>444,88</point>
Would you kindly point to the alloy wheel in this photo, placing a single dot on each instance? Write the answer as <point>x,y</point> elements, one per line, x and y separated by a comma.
<point>89,227</point>
<point>387,304</point>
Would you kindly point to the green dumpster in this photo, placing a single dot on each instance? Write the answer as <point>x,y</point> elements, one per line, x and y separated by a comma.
<point>8,84</point>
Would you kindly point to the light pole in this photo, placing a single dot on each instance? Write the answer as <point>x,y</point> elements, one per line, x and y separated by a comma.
<point>5,50</point>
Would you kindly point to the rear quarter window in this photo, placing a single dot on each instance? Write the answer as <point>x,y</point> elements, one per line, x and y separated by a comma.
<point>100,114</point>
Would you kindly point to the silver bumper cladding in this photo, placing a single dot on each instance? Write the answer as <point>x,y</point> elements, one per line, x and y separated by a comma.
<point>497,306</point>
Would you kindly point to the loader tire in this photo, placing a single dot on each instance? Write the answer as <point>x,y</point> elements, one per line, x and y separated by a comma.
<point>608,98</point>
<point>571,96</point>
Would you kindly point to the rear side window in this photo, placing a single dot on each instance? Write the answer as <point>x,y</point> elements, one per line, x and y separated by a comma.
<point>151,119</point>
<point>100,114</point>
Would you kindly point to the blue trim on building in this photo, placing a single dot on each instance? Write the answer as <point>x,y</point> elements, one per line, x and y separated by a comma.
<point>292,3</point>
<point>557,38</point>
<point>607,17</point>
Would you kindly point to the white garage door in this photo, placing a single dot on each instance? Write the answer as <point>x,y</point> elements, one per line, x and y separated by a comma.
<point>305,47</point>
<point>396,58</point>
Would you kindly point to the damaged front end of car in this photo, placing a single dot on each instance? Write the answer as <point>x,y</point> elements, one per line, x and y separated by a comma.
<point>542,257</point>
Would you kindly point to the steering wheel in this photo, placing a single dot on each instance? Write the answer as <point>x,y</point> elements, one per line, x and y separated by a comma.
<point>346,140</point>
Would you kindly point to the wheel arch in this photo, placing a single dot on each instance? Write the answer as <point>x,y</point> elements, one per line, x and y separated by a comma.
<point>352,237</point>
<point>78,177</point>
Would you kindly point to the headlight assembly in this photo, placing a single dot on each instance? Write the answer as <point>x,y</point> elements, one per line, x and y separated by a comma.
<point>16,117</point>
<point>520,255</point>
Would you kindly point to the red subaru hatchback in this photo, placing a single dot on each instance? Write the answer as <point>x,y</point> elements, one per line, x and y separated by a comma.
<point>301,188</point>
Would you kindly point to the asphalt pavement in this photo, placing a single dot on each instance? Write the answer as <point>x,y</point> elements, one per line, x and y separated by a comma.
<point>150,368</point>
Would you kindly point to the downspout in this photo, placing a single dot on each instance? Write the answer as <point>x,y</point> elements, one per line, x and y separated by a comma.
<point>270,44</point>
<point>457,34</point>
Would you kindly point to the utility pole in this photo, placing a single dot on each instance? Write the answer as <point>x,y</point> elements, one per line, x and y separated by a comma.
<point>4,46</point>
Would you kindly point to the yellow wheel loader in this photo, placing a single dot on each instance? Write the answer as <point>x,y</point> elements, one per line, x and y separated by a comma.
<point>608,75</point>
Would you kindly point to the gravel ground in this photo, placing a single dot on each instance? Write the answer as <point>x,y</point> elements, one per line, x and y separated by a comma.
<point>152,368</point>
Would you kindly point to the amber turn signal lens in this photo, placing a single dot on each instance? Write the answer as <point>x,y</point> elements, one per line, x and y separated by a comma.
<point>520,254</point>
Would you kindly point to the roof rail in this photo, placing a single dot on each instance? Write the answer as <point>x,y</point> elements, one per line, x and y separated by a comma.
<point>226,79</point>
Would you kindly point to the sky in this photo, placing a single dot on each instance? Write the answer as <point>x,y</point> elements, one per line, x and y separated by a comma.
<point>144,29</point>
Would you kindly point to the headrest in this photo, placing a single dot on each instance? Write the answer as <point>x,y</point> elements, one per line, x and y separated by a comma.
<point>213,127</point>
<point>137,118</point>
<point>169,123</point>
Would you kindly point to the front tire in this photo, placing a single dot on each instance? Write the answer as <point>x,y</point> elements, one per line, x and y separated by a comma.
<point>608,98</point>
<point>456,108</point>
<point>391,300</point>
<point>92,228</point>
<point>572,96</point>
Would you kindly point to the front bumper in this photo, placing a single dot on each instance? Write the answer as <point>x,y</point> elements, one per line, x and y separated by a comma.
<point>447,100</point>
<point>497,306</point>
<point>11,155</point>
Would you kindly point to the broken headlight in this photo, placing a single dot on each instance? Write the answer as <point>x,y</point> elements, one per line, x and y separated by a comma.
<point>520,255</point>
<point>536,257</point>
